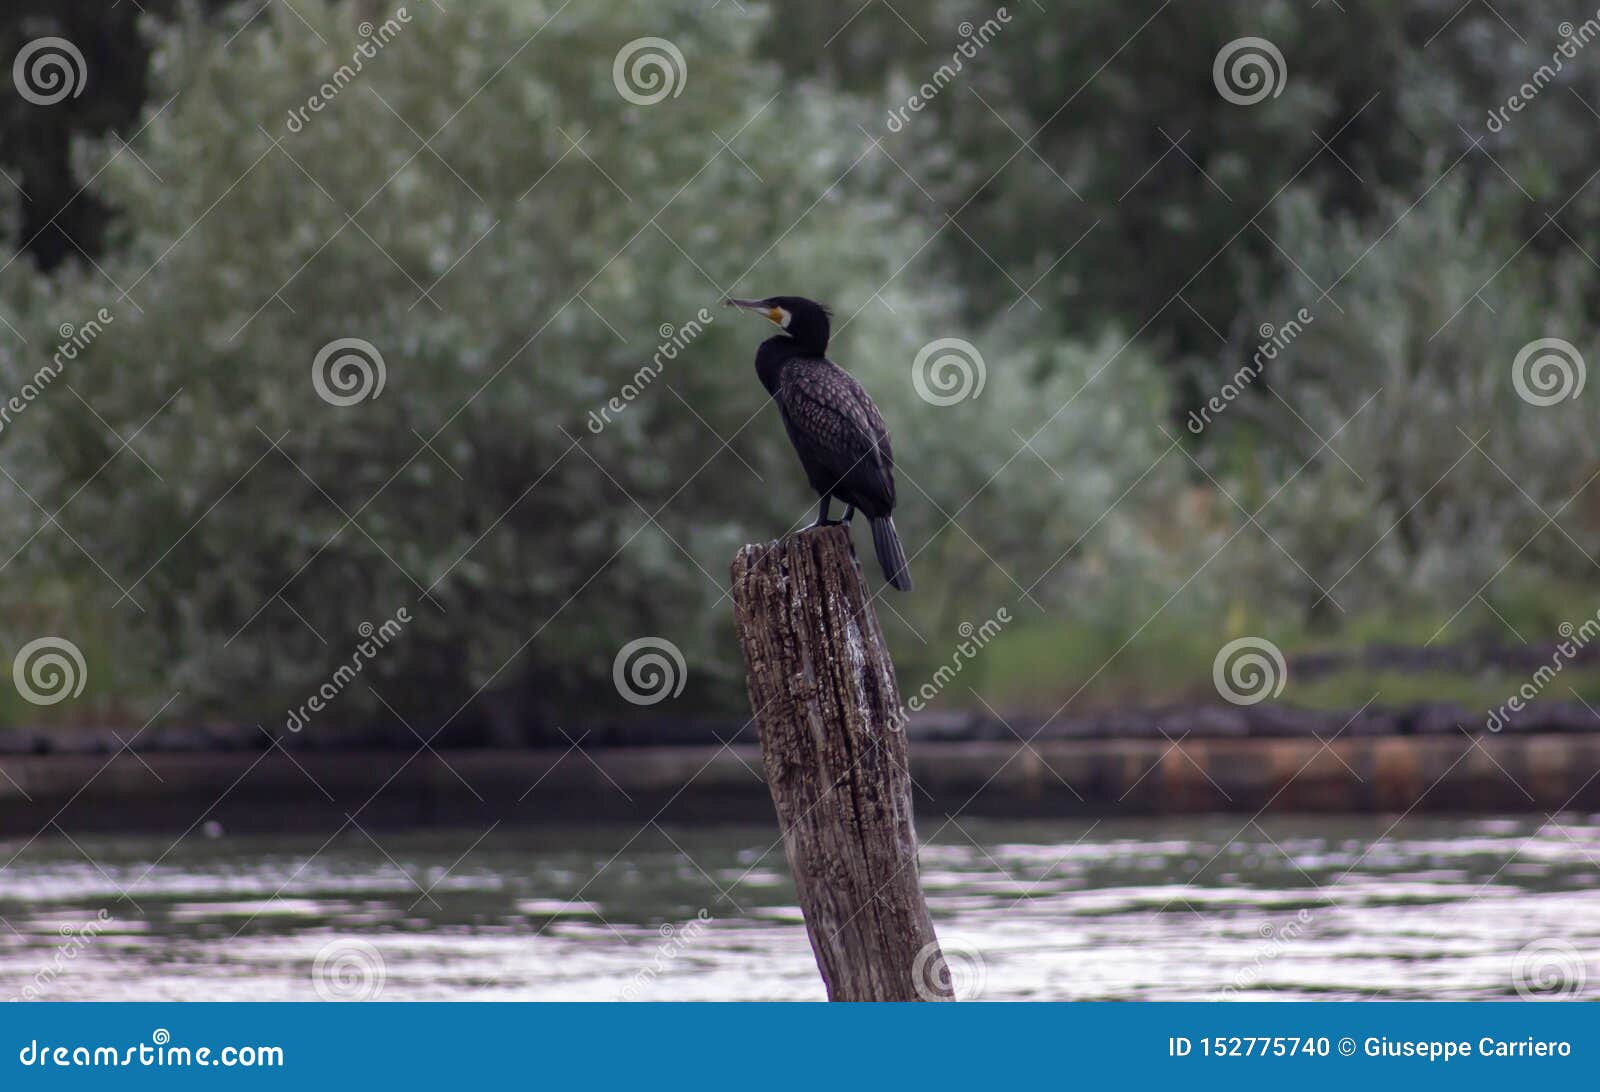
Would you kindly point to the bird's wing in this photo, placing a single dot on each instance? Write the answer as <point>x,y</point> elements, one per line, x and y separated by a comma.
<point>830,416</point>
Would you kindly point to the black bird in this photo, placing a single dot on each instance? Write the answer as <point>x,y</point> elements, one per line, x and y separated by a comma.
<point>838,433</point>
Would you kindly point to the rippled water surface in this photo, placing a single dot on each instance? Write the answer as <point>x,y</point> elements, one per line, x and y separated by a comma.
<point>1162,909</point>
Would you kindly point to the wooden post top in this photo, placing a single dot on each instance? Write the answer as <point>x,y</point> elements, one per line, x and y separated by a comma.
<point>823,692</point>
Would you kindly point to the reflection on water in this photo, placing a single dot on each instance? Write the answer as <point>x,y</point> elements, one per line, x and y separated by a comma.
<point>1162,909</point>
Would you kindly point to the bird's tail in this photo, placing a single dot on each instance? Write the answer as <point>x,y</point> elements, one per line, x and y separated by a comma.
<point>890,554</point>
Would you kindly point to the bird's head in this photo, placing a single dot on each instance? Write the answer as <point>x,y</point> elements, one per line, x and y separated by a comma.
<point>806,321</point>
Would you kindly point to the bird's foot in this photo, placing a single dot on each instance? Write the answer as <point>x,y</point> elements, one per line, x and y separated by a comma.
<point>826,523</point>
<point>822,519</point>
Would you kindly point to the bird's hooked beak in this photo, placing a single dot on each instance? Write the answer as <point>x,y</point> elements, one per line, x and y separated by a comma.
<point>775,315</point>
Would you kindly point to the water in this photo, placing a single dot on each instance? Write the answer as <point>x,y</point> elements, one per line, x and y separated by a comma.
<point>1161,909</point>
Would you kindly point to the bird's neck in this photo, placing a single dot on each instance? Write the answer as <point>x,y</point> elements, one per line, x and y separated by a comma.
<point>777,351</point>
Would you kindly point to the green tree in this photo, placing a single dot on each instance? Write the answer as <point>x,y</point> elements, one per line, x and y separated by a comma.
<point>1438,475</point>
<point>479,201</point>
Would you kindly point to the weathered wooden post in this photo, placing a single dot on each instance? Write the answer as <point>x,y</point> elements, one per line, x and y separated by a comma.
<point>833,742</point>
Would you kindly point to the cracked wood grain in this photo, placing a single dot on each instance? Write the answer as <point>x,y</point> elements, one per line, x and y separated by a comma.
<point>823,691</point>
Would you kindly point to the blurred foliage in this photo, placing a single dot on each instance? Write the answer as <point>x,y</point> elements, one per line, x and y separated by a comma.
<point>514,237</point>
<point>1107,119</point>
<point>58,215</point>
<point>1443,473</point>
<point>510,239</point>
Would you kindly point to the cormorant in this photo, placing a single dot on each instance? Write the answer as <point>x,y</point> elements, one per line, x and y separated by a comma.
<point>838,433</point>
